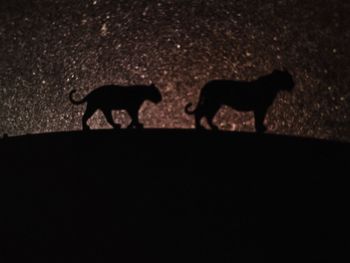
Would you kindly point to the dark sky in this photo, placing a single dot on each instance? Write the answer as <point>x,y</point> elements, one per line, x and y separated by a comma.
<point>49,47</point>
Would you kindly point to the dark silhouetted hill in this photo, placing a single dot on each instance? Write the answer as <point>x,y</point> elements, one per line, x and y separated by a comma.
<point>173,196</point>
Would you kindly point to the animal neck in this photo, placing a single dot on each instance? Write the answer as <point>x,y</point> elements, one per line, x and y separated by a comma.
<point>267,82</point>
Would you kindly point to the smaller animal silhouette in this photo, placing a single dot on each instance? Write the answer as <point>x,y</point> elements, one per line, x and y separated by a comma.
<point>256,96</point>
<point>114,97</point>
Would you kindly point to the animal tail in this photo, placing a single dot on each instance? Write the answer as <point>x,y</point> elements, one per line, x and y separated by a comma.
<point>75,102</point>
<point>187,109</point>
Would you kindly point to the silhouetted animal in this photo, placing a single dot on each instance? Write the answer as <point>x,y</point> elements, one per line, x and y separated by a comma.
<point>256,96</point>
<point>113,97</point>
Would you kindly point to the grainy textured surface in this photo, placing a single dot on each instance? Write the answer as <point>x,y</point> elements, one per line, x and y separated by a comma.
<point>49,47</point>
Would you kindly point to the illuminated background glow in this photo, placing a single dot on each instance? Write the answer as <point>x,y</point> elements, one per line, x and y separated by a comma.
<point>48,47</point>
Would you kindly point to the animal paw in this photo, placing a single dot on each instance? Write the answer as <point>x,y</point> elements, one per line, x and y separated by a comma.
<point>261,129</point>
<point>200,128</point>
<point>135,126</point>
<point>214,128</point>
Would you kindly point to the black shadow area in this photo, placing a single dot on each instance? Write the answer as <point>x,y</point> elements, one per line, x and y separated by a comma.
<point>173,196</point>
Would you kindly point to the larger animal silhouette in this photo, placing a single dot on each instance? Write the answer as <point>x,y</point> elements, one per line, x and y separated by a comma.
<point>112,97</point>
<point>256,96</point>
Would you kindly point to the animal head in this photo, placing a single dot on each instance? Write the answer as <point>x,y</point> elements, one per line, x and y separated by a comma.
<point>282,80</point>
<point>154,94</point>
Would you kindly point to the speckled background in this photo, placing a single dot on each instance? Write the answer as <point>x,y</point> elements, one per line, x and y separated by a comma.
<point>49,47</point>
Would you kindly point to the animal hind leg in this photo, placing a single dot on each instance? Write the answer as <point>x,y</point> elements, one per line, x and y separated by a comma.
<point>259,116</point>
<point>109,118</point>
<point>87,114</point>
<point>198,118</point>
<point>210,116</point>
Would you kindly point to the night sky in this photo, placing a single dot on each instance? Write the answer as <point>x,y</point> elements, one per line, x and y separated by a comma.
<point>49,47</point>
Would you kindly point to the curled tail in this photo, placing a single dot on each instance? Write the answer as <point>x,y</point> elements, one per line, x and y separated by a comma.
<point>75,102</point>
<point>187,109</point>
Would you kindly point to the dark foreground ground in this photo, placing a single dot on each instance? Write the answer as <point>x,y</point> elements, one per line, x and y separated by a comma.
<point>173,196</point>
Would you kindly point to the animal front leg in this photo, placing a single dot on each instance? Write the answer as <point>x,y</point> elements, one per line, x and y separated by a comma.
<point>259,116</point>
<point>134,114</point>
<point>109,118</point>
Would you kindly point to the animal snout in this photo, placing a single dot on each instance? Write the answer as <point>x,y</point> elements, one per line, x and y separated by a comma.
<point>159,98</point>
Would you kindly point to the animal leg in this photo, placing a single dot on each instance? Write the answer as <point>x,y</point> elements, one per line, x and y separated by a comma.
<point>87,114</point>
<point>259,116</point>
<point>210,116</point>
<point>134,114</point>
<point>198,118</point>
<point>109,118</point>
